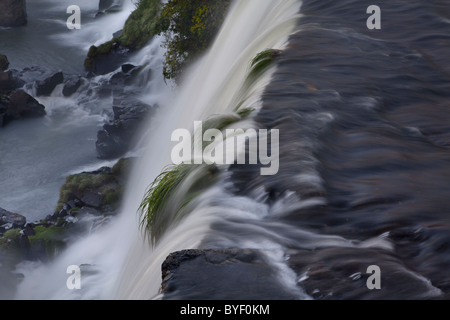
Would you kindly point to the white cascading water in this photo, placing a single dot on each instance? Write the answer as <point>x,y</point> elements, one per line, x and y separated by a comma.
<point>97,31</point>
<point>117,261</point>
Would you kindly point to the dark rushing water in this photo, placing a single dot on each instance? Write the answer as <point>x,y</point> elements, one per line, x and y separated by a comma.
<point>364,137</point>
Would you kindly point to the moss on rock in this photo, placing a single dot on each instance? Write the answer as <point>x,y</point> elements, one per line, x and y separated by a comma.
<point>143,23</point>
<point>107,184</point>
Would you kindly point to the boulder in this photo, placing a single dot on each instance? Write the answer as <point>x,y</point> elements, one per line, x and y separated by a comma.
<point>13,219</point>
<point>4,63</point>
<point>108,146</point>
<point>98,191</point>
<point>233,274</point>
<point>19,104</point>
<point>106,58</point>
<point>126,68</point>
<point>22,105</point>
<point>2,115</point>
<point>71,86</point>
<point>7,82</point>
<point>105,4</point>
<point>92,199</point>
<point>45,87</point>
<point>13,13</point>
<point>117,135</point>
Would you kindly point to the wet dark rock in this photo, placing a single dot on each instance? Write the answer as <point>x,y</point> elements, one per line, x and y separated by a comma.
<point>108,146</point>
<point>42,240</point>
<point>30,75</point>
<point>117,135</point>
<point>89,211</point>
<point>6,81</point>
<point>121,79</point>
<point>92,199</point>
<point>117,33</point>
<point>105,4</point>
<point>106,58</point>
<point>71,86</point>
<point>9,81</point>
<point>15,103</point>
<point>19,104</point>
<point>98,192</point>
<point>2,115</point>
<point>4,63</point>
<point>13,13</point>
<point>234,274</point>
<point>28,230</point>
<point>45,87</point>
<point>14,219</point>
<point>126,68</point>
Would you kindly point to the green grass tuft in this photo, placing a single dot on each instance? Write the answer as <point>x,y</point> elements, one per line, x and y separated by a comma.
<point>159,191</point>
<point>262,61</point>
<point>171,193</point>
<point>177,186</point>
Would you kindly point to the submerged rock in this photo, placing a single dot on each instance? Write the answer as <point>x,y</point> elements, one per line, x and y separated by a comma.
<point>13,13</point>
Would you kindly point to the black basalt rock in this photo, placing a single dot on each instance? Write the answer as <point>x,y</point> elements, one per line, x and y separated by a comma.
<point>45,87</point>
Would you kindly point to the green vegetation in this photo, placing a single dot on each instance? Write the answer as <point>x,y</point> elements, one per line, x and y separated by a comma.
<point>10,238</point>
<point>97,51</point>
<point>122,168</point>
<point>51,238</point>
<point>77,184</point>
<point>46,241</point>
<point>109,185</point>
<point>142,24</point>
<point>10,242</point>
<point>262,61</point>
<point>170,193</point>
<point>177,186</point>
<point>188,28</point>
<point>158,193</point>
<point>12,234</point>
<point>52,233</point>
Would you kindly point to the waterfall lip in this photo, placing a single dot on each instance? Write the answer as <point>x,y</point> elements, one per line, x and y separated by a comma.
<point>210,102</point>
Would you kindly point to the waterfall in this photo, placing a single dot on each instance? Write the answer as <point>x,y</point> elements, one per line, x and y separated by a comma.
<point>117,261</point>
<point>211,87</point>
